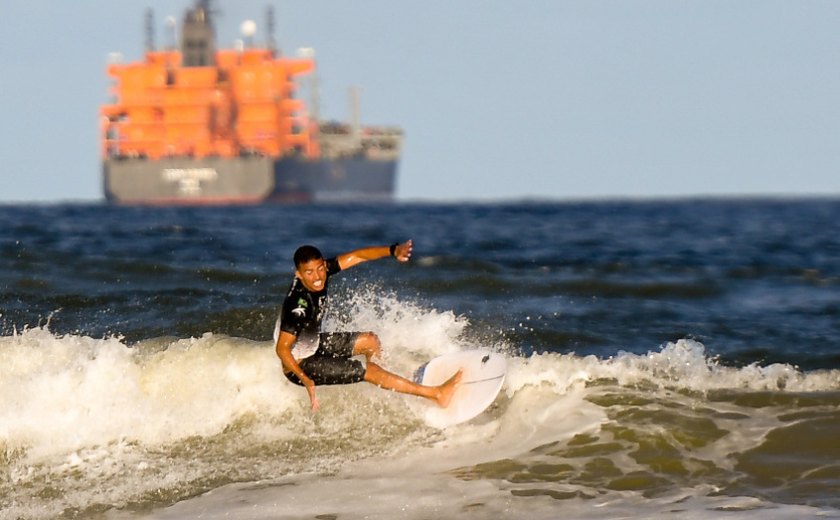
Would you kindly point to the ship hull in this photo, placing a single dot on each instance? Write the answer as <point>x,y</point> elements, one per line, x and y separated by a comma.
<point>247,180</point>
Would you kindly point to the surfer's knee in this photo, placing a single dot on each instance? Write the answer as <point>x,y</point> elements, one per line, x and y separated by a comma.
<point>368,344</point>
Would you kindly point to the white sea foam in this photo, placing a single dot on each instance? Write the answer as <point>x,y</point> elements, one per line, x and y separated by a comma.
<point>64,393</point>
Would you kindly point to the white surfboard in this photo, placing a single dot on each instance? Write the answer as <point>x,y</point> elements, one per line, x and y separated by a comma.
<point>484,373</point>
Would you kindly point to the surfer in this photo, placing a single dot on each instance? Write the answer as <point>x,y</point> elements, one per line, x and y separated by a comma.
<point>311,357</point>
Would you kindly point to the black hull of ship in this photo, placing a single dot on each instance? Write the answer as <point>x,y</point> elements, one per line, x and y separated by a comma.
<point>247,180</point>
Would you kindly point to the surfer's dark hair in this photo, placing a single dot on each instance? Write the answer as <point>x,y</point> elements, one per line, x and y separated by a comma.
<point>306,254</point>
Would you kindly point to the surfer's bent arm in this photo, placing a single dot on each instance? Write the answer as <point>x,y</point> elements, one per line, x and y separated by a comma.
<point>290,364</point>
<point>400,251</point>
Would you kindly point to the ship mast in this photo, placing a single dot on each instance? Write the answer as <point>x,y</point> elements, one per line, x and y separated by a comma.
<point>150,30</point>
<point>271,42</point>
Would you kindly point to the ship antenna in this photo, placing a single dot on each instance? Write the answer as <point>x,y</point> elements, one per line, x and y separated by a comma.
<point>355,120</point>
<point>269,29</point>
<point>150,30</point>
<point>171,33</point>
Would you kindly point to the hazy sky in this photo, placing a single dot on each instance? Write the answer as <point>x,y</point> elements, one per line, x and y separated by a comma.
<point>498,99</point>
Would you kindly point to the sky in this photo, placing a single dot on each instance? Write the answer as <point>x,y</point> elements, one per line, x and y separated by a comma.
<point>499,100</point>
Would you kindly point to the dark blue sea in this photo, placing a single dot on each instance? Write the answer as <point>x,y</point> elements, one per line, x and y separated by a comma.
<point>664,357</point>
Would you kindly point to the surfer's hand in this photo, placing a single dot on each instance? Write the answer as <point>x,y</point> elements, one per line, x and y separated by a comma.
<point>402,252</point>
<point>310,389</point>
<point>313,399</point>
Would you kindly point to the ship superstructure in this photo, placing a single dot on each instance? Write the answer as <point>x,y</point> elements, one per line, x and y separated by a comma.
<point>197,124</point>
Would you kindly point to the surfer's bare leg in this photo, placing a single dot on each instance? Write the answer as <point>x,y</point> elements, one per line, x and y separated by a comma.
<point>442,394</point>
<point>367,344</point>
<point>447,389</point>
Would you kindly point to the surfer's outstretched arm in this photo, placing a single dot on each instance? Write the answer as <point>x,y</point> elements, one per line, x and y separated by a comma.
<point>400,251</point>
<point>442,394</point>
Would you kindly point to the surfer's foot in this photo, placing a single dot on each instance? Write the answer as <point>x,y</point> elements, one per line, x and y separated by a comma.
<point>447,389</point>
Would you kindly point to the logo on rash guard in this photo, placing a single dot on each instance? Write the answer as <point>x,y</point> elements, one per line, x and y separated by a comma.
<point>300,310</point>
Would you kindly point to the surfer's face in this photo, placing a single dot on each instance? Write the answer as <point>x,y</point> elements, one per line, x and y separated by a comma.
<point>313,274</point>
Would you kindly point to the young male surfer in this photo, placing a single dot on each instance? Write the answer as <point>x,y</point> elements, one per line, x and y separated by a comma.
<point>311,357</point>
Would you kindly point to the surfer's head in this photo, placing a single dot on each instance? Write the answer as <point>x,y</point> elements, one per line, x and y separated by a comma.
<point>306,253</point>
<point>311,268</point>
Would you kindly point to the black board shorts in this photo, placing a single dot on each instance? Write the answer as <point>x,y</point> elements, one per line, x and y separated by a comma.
<point>332,363</point>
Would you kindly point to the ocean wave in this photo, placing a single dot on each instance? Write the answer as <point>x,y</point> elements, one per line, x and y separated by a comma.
<point>95,424</point>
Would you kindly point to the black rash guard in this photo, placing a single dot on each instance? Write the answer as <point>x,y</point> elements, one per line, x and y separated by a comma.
<point>303,311</point>
<point>324,357</point>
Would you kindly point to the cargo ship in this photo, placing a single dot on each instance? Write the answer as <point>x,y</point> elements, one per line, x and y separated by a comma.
<point>193,124</point>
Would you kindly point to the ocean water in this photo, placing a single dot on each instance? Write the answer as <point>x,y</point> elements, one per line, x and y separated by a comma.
<point>664,357</point>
